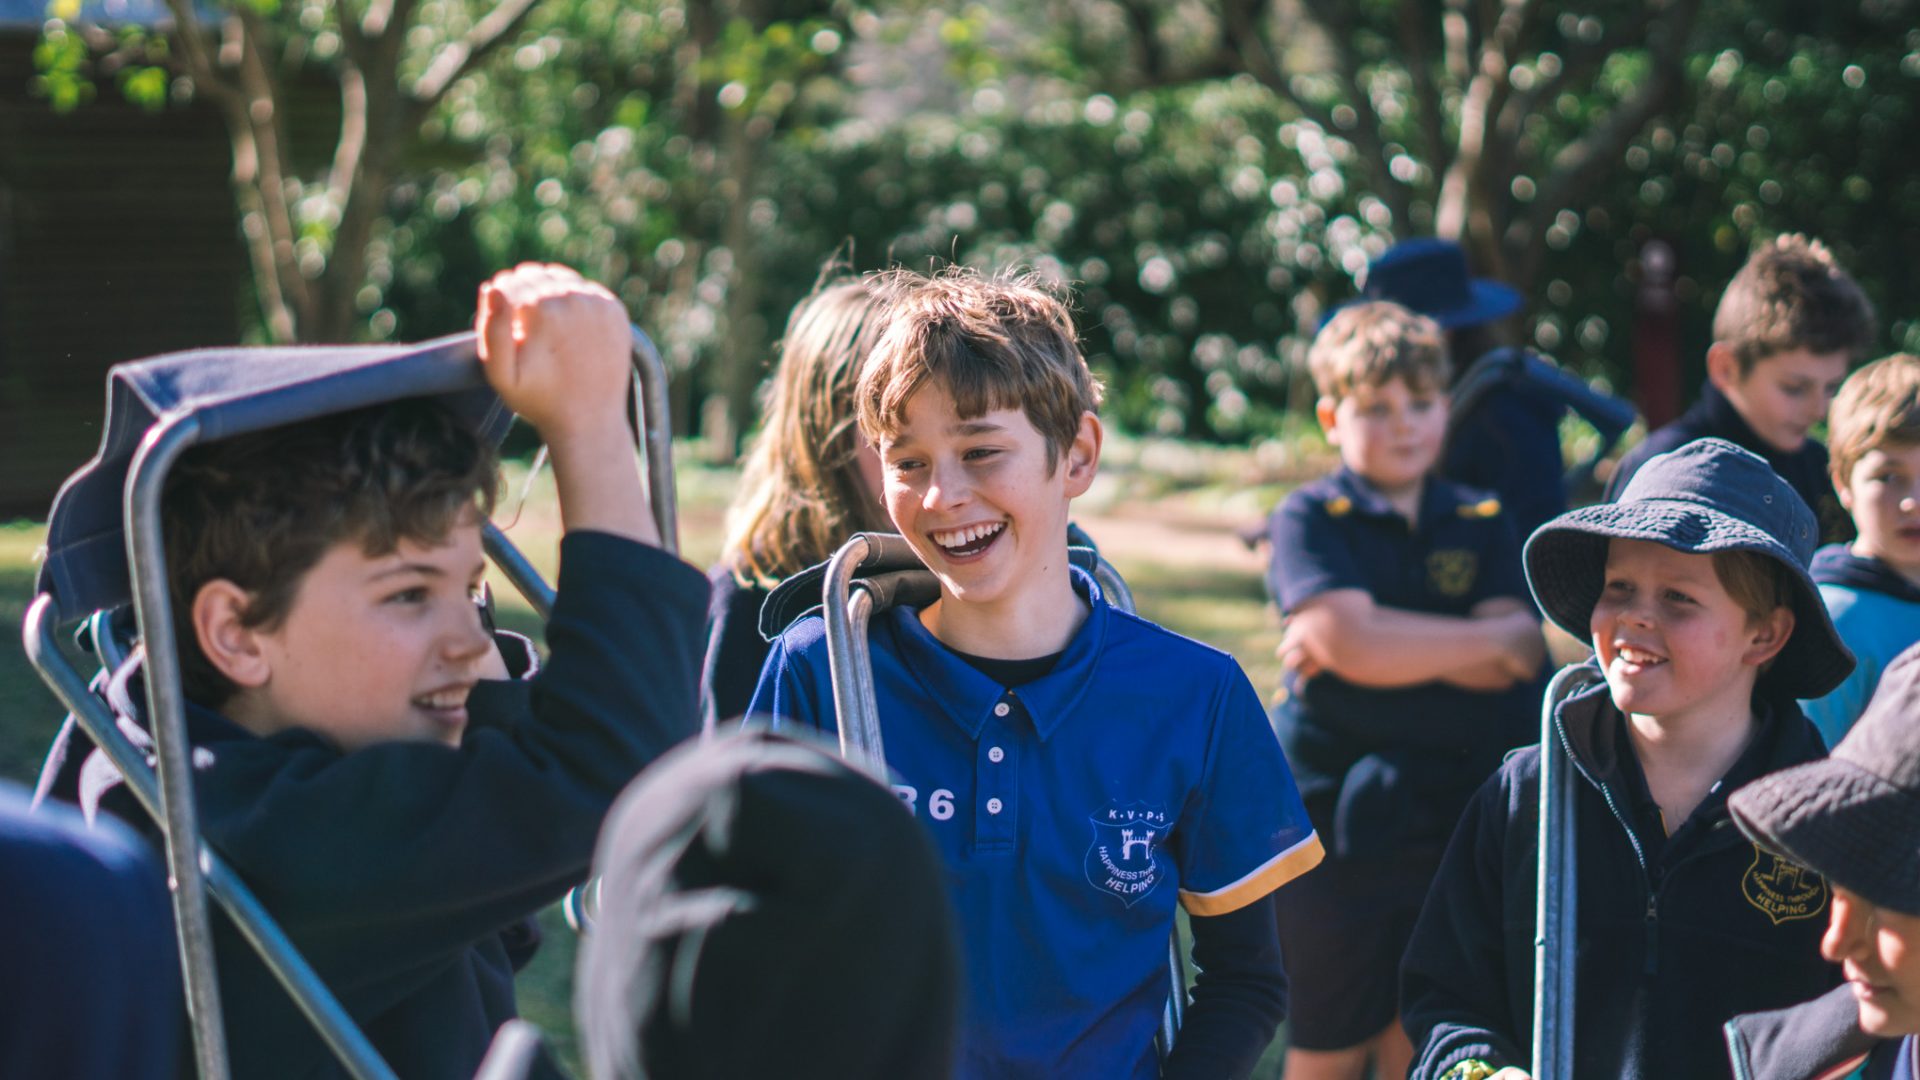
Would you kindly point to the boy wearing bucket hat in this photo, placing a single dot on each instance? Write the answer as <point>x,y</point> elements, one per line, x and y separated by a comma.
<point>1854,819</point>
<point>1694,592</point>
<point>1787,329</point>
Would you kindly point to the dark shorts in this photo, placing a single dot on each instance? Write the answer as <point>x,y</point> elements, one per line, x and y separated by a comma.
<point>1343,928</point>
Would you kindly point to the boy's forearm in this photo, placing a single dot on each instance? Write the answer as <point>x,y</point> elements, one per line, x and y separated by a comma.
<point>599,484</point>
<point>1386,647</point>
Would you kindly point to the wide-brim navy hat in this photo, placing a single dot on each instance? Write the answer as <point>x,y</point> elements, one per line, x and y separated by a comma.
<point>1707,496</point>
<point>1430,276</point>
<point>1854,817</point>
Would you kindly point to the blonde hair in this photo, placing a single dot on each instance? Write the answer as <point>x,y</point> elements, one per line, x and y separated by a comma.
<point>801,492</point>
<point>1792,294</point>
<point>991,343</point>
<point>1877,405</point>
<point>1372,343</point>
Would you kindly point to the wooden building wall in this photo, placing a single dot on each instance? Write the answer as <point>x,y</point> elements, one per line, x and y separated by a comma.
<point>117,241</point>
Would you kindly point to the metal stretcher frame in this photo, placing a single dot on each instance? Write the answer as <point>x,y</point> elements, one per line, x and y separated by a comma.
<point>1556,911</point>
<point>850,600</point>
<point>445,367</point>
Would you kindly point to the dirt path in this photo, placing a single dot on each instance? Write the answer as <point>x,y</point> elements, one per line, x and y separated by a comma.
<point>1164,533</point>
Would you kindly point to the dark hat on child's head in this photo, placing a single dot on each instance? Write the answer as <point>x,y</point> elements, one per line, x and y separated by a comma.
<point>1853,817</point>
<point>765,910</point>
<point>1707,496</point>
<point>1430,276</point>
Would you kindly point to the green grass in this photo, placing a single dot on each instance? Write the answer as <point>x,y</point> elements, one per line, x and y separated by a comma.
<point>1225,607</point>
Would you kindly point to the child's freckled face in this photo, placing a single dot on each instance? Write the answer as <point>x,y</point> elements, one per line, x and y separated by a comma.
<point>1388,434</point>
<point>1883,494</point>
<point>1670,638</point>
<point>379,648</point>
<point>979,498</point>
<point>1878,950</point>
<point>1784,395</point>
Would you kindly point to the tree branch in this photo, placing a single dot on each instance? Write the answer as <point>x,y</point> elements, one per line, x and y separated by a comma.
<point>261,94</point>
<point>1148,52</point>
<point>1336,22</point>
<point>191,37</point>
<point>459,57</point>
<point>1425,90</point>
<point>1580,164</point>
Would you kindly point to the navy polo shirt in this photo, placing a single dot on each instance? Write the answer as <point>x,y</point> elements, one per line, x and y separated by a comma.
<point>1072,812</point>
<point>1383,769</point>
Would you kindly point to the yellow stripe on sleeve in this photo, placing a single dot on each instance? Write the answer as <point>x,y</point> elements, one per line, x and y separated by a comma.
<point>1265,878</point>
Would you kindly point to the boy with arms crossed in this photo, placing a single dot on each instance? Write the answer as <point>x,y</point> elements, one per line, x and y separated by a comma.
<point>1787,329</point>
<point>1693,591</point>
<point>1872,586</point>
<point>1412,658</point>
<point>1079,769</point>
<point>400,812</point>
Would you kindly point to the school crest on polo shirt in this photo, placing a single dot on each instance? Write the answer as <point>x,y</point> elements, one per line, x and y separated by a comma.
<point>1125,858</point>
<point>1450,571</point>
<point>1781,890</point>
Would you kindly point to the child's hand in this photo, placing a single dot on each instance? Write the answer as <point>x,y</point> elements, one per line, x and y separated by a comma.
<point>1297,649</point>
<point>556,349</point>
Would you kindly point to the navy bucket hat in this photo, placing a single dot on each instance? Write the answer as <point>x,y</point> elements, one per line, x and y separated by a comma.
<point>1854,817</point>
<point>1707,496</point>
<point>1431,277</point>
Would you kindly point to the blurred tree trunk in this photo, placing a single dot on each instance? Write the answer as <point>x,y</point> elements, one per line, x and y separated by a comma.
<point>310,263</point>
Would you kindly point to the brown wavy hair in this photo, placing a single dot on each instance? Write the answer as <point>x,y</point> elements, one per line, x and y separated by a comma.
<point>1793,294</point>
<point>1001,342</point>
<point>260,510</point>
<point>801,494</point>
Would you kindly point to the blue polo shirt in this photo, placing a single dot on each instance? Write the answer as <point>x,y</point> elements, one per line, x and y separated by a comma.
<point>1073,813</point>
<point>1386,769</point>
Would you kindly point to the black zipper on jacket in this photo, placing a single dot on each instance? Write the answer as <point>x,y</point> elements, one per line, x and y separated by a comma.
<point>1652,963</point>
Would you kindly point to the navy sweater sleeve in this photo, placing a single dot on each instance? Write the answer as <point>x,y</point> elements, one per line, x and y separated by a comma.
<point>387,862</point>
<point>1239,994</point>
<point>1454,993</point>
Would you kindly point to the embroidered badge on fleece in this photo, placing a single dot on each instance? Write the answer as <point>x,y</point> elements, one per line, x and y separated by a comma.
<point>1781,890</point>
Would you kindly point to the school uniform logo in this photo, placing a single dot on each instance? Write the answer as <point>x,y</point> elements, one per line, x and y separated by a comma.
<point>1451,571</point>
<point>1781,890</point>
<point>1125,858</point>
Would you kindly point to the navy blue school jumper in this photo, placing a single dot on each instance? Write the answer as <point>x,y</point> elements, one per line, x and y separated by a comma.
<point>89,976</point>
<point>1073,812</point>
<point>1677,933</point>
<point>1385,769</point>
<point>408,873</point>
<point>1510,446</point>
<point>1713,416</point>
<point>735,650</point>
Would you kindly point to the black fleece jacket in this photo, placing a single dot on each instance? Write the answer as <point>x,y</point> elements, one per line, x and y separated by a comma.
<point>407,873</point>
<point>1674,933</point>
<point>1814,1040</point>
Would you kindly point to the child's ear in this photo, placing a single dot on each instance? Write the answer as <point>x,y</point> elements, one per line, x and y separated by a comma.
<point>1083,455</point>
<point>1769,635</point>
<point>1324,411</point>
<point>233,647</point>
<point>1723,368</point>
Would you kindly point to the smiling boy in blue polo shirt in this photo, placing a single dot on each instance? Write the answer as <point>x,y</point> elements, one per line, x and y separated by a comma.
<point>1080,769</point>
<point>1412,656</point>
